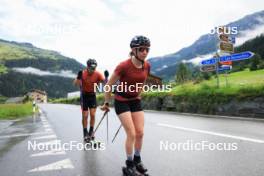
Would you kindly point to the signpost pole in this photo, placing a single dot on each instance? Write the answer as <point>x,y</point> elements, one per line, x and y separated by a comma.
<point>216,70</point>
<point>226,74</point>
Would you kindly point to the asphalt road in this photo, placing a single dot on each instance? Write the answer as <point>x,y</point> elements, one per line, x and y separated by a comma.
<point>174,145</point>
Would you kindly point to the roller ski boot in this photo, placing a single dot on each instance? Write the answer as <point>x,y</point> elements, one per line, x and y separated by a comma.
<point>92,142</point>
<point>139,166</point>
<point>86,137</point>
<point>130,169</point>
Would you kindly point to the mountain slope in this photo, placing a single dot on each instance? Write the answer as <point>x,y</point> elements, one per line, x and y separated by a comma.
<point>19,56</point>
<point>14,54</point>
<point>206,44</point>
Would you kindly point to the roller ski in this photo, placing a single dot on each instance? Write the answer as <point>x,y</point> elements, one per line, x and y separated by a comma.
<point>91,141</point>
<point>139,166</point>
<point>131,170</point>
<point>85,136</point>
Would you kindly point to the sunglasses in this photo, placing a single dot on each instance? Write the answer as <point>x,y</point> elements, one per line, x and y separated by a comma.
<point>142,49</point>
<point>91,69</point>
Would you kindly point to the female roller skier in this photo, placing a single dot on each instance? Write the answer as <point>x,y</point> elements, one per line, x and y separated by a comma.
<point>131,73</point>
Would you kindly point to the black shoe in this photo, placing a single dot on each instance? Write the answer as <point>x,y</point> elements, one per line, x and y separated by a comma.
<point>139,165</point>
<point>130,169</point>
<point>85,133</point>
<point>90,134</point>
<point>90,137</point>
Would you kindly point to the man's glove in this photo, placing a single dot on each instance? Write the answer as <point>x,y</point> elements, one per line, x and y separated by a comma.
<point>79,75</point>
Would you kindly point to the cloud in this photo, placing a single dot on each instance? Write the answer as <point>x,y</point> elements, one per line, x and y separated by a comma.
<point>35,71</point>
<point>103,29</point>
<point>249,34</point>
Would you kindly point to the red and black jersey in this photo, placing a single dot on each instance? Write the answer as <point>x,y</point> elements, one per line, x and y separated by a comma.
<point>90,80</point>
<point>131,75</point>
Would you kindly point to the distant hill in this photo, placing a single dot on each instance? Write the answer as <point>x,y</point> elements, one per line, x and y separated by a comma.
<point>22,55</point>
<point>13,54</point>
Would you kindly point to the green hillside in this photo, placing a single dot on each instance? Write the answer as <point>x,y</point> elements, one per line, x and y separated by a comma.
<point>14,50</point>
<point>205,98</point>
<point>14,54</point>
<point>235,82</point>
<point>3,69</point>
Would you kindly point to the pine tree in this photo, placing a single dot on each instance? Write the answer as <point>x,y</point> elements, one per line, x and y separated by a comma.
<point>255,61</point>
<point>183,74</point>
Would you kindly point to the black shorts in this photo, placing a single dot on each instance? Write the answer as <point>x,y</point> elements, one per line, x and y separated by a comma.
<point>125,106</point>
<point>88,100</point>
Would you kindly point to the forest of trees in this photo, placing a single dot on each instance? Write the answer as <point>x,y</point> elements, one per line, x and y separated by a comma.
<point>14,84</point>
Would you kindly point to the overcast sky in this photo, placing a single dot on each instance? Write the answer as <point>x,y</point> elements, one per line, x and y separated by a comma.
<point>103,29</point>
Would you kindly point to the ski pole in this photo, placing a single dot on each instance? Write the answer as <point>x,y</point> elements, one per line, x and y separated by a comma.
<point>107,127</point>
<point>116,133</point>
<point>106,112</point>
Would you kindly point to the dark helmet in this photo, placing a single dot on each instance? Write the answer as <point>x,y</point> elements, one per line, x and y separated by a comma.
<point>91,63</point>
<point>139,40</point>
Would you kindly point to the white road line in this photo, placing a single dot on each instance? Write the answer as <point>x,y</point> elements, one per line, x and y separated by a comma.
<point>63,164</point>
<point>212,133</point>
<point>23,134</point>
<point>48,153</point>
<point>59,165</point>
<point>45,137</point>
